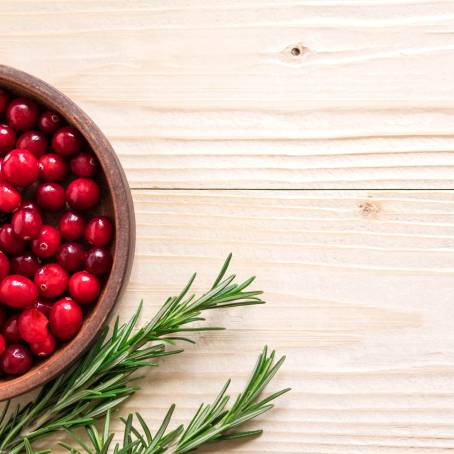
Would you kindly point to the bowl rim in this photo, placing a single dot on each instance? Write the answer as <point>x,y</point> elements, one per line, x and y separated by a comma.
<point>123,210</point>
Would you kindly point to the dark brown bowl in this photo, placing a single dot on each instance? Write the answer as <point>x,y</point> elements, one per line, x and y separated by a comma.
<point>116,203</point>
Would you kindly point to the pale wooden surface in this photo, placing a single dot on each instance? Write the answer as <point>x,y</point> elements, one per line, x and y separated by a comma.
<point>201,96</point>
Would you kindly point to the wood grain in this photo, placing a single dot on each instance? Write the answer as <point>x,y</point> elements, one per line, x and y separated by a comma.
<point>209,94</point>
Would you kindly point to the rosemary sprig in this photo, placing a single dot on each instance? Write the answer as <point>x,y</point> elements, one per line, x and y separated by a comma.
<point>104,377</point>
<point>211,423</point>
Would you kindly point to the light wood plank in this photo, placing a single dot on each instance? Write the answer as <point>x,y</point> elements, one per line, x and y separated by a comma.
<point>208,95</point>
<point>359,288</point>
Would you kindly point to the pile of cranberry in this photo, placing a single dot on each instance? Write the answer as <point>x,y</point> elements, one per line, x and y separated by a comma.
<point>54,250</point>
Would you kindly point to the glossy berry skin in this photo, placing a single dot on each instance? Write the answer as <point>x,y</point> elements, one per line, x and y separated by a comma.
<point>47,242</point>
<point>67,141</point>
<point>45,347</point>
<point>4,266</point>
<point>4,99</point>
<point>49,121</point>
<point>16,359</point>
<point>9,241</point>
<point>18,291</point>
<point>84,164</point>
<point>52,167</point>
<point>10,330</point>
<point>65,319</point>
<point>2,344</point>
<point>20,167</point>
<point>25,264</point>
<point>10,198</point>
<point>51,280</point>
<point>84,287</point>
<point>98,261</point>
<point>33,325</point>
<point>83,193</point>
<point>44,306</point>
<point>34,141</point>
<point>7,139</point>
<point>99,231</point>
<point>51,196</point>
<point>71,256</point>
<point>22,114</point>
<point>27,223</point>
<point>72,226</point>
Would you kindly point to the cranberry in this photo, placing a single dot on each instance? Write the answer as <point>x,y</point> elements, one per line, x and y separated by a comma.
<point>51,280</point>
<point>67,141</point>
<point>18,291</point>
<point>84,287</point>
<point>4,99</point>
<point>43,306</point>
<point>22,113</point>
<point>4,266</point>
<point>50,121</point>
<point>2,317</point>
<point>32,325</point>
<point>45,347</point>
<point>20,167</point>
<point>98,261</point>
<point>83,193</point>
<point>10,330</point>
<point>99,231</point>
<point>16,359</point>
<point>65,319</point>
<point>52,167</point>
<point>34,141</point>
<point>71,225</point>
<point>71,256</point>
<point>7,139</point>
<point>10,198</point>
<point>84,164</point>
<point>9,241</point>
<point>50,196</point>
<point>2,344</point>
<point>25,264</point>
<point>47,242</point>
<point>30,204</point>
<point>27,223</point>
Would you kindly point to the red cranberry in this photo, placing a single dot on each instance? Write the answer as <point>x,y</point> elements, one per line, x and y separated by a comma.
<point>4,266</point>
<point>65,319</point>
<point>9,241</point>
<point>18,291</point>
<point>2,344</point>
<point>98,261</point>
<point>10,330</point>
<point>67,141</point>
<point>34,141</point>
<point>30,204</point>
<point>4,99</point>
<point>84,287</point>
<point>51,196</point>
<point>47,242</point>
<point>84,164</point>
<point>22,113</point>
<point>27,223</point>
<point>45,347</point>
<point>16,360</point>
<point>52,167</point>
<point>50,121</point>
<point>10,198</point>
<point>44,306</point>
<point>25,264</point>
<point>32,325</point>
<point>71,256</point>
<point>99,231</point>
<point>51,280</point>
<point>82,193</point>
<point>7,139</point>
<point>20,167</point>
<point>2,317</point>
<point>71,225</point>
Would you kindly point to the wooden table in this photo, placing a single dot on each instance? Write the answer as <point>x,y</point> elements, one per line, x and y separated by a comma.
<point>314,140</point>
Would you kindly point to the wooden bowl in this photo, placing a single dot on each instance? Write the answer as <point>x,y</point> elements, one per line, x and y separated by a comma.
<point>116,203</point>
